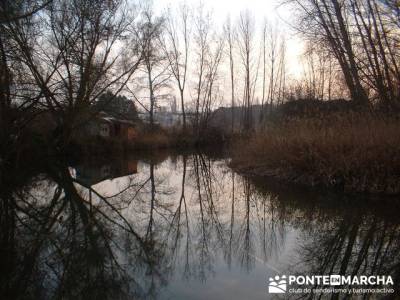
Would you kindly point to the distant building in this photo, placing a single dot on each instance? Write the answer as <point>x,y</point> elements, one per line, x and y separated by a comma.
<point>106,126</point>
<point>166,119</point>
<point>166,114</point>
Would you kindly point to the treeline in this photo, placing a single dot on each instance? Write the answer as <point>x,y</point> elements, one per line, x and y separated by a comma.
<point>362,37</point>
<point>208,63</point>
<point>349,144</point>
<point>58,57</point>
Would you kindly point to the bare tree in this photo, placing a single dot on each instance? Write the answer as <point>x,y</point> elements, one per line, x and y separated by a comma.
<point>377,55</point>
<point>281,72</point>
<point>9,13</point>
<point>176,47</point>
<point>154,61</point>
<point>329,21</point>
<point>273,52</point>
<point>76,56</point>
<point>361,34</point>
<point>211,89</point>
<point>17,95</point>
<point>209,44</point>
<point>264,66</point>
<point>201,41</point>
<point>246,49</point>
<point>230,34</point>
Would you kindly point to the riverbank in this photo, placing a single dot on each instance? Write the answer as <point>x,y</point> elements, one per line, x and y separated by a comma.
<point>350,152</point>
<point>158,139</point>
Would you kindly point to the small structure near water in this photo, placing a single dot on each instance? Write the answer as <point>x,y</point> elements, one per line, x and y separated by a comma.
<point>107,126</point>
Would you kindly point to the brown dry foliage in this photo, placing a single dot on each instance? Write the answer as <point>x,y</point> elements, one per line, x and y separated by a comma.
<point>353,151</point>
<point>152,140</point>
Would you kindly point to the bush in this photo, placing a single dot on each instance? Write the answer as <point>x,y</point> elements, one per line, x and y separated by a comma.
<point>351,151</point>
<point>151,140</point>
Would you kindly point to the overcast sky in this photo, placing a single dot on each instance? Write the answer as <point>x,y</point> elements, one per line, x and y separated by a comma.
<point>260,9</point>
<point>275,14</point>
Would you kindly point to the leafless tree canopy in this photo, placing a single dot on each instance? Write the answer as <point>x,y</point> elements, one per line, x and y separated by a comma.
<point>58,57</point>
<point>363,37</point>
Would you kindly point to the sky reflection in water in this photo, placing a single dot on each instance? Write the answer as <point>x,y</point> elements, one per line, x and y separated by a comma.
<point>181,227</point>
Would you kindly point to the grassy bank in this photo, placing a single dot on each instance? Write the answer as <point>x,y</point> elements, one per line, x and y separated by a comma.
<point>151,140</point>
<point>354,152</point>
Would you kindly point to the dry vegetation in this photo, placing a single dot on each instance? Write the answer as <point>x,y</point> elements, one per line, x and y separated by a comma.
<point>149,140</point>
<point>152,140</point>
<point>357,152</point>
<point>177,138</point>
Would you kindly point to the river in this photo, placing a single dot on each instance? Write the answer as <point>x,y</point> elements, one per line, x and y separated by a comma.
<point>185,226</point>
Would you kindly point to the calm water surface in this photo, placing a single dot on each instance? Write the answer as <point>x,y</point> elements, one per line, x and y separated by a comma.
<point>182,227</point>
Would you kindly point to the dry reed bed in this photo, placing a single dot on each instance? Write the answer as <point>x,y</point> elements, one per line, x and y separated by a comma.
<point>355,152</point>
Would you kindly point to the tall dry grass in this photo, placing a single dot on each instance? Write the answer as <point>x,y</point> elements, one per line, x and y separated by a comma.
<point>151,140</point>
<point>353,151</point>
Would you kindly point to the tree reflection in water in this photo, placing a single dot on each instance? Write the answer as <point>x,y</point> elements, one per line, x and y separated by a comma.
<point>71,233</point>
<point>56,244</point>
